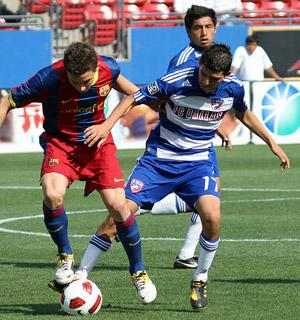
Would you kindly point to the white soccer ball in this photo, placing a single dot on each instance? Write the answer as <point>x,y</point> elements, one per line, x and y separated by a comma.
<point>81,297</point>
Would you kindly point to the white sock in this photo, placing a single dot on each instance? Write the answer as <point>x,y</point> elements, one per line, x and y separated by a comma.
<point>208,250</point>
<point>171,204</point>
<point>95,249</point>
<point>191,238</point>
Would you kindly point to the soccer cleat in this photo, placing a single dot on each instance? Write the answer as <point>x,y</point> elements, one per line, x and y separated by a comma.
<point>190,263</point>
<point>199,295</point>
<point>54,285</point>
<point>145,288</point>
<point>64,273</point>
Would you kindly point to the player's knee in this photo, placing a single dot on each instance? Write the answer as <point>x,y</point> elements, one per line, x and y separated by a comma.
<point>211,223</point>
<point>118,207</point>
<point>53,198</point>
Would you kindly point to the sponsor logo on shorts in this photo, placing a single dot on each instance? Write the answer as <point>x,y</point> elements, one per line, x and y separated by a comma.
<point>53,162</point>
<point>118,180</point>
<point>153,88</point>
<point>136,185</point>
<point>104,91</point>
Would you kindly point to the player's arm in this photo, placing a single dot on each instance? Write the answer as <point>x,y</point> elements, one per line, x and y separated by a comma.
<point>99,133</point>
<point>125,86</point>
<point>249,119</point>
<point>5,106</point>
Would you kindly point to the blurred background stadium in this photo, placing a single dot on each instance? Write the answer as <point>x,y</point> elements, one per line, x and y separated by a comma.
<point>144,35</point>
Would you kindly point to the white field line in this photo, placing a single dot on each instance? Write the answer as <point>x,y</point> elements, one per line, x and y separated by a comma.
<point>41,234</point>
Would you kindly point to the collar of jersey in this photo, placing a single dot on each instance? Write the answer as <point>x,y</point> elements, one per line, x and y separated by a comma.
<point>96,76</point>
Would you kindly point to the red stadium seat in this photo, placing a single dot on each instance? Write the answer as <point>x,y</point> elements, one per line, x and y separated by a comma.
<point>134,13</point>
<point>160,11</point>
<point>101,24</point>
<point>38,6</point>
<point>169,3</point>
<point>251,11</point>
<point>72,14</point>
<point>139,3</point>
<point>295,5</point>
<point>276,7</point>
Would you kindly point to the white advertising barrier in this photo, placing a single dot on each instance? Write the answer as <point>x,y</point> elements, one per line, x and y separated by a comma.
<point>277,106</point>
<point>25,125</point>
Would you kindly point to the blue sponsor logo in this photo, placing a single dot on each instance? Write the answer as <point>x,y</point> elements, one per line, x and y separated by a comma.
<point>281,109</point>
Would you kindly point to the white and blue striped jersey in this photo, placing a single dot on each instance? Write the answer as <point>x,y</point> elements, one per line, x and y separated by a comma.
<point>188,54</point>
<point>187,130</point>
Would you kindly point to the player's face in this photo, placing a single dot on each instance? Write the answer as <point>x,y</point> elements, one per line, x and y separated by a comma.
<point>208,79</point>
<point>202,32</point>
<point>83,82</point>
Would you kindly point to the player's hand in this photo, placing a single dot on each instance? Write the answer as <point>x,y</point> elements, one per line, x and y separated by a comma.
<point>225,139</point>
<point>285,161</point>
<point>96,134</point>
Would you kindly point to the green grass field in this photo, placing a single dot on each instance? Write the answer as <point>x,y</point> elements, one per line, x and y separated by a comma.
<point>256,273</point>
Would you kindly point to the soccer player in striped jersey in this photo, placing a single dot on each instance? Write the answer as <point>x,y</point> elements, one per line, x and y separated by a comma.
<point>72,92</point>
<point>177,151</point>
<point>200,25</point>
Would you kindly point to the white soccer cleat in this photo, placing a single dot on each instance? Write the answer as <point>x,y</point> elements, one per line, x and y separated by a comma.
<point>81,273</point>
<point>64,273</point>
<point>146,289</point>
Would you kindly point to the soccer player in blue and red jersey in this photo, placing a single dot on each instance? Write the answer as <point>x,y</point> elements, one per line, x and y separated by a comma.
<point>72,92</point>
<point>177,151</point>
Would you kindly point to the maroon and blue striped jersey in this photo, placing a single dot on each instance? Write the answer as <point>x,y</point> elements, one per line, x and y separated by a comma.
<point>67,112</point>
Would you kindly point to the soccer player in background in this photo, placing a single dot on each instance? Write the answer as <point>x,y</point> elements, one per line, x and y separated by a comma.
<point>177,151</point>
<point>72,92</point>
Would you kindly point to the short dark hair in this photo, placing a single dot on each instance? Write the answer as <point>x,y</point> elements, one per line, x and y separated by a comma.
<point>80,57</point>
<point>196,12</point>
<point>251,39</point>
<point>217,57</point>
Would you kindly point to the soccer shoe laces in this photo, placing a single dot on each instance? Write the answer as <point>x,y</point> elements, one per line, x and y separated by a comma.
<point>201,287</point>
<point>65,261</point>
<point>139,279</point>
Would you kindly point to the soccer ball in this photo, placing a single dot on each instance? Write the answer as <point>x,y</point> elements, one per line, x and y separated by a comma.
<point>81,297</point>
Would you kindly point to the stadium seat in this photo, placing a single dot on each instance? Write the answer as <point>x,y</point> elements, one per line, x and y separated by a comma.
<point>251,11</point>
<point>38,6</point>
<point>169,3</point>
<point>139,3</point>
<point>101,24</point>
<point>295,5</point>
<point>278,8</point>
<point>158,11</point>
<point>133,13</point>
<point>72,14</point>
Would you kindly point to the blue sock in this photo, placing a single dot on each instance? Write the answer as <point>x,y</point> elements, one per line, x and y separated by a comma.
<point>128,232</point>
<point>56,222</point>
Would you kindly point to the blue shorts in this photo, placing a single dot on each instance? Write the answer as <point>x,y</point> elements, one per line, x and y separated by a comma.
<point>152,180</point>
<point>213,159</point>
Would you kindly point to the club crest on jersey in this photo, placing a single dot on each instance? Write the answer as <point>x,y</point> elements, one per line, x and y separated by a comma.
<point>153,88</point>
<point>53,162</point>
<point>216,103</point>
<point>136,185</point>
<point>104,91</point>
